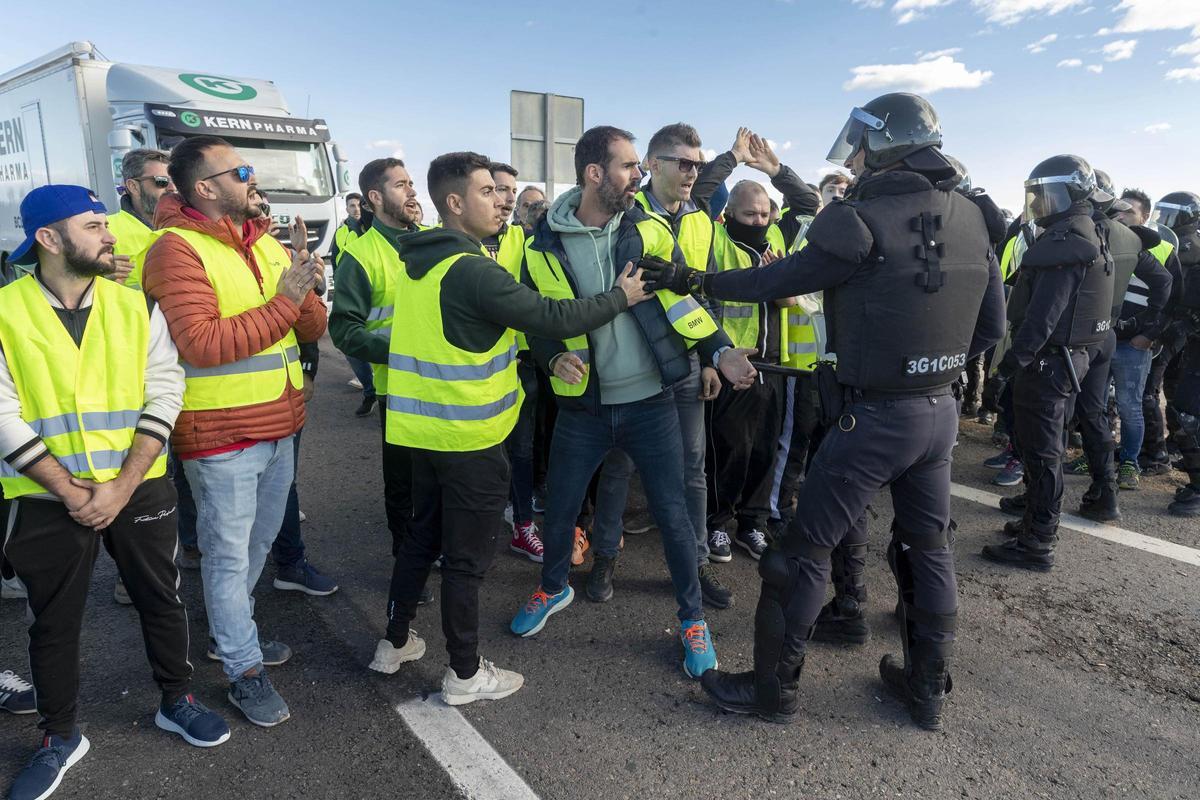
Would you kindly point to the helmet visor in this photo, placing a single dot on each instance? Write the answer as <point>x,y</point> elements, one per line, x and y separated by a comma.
<point>852,134</point>
<point>1171,215</point>
<point>1045,197</point>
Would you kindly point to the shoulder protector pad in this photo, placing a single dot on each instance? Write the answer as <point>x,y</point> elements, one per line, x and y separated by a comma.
<point>1068,243</point>
<point>841,232</point>
<point>1150,238</point>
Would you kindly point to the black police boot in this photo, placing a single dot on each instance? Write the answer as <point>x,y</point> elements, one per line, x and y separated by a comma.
<point>842,621</point>
<point>1025,551</point>
<point>1013,505</point>
<point>1155,464</point>
<point>1013,528</point>
<point>1186,502</point>
<point>1100,502</point>
<point>922,684</point>
<point>775,697</point>
<point>599,587</point>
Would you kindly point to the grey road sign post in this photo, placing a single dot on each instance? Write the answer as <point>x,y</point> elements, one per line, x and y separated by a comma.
<point>544,130</point>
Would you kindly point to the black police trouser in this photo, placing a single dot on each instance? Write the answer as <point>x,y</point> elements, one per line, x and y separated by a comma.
<point>1164,375</point>
<point>1091,411</point>
<point>743,438</point>
<point>1041,403</point>
<point>54,557</point>
<point>901,443</point>
<point>459,509</point>
<point>1186,405</point>
<point>397,485</point>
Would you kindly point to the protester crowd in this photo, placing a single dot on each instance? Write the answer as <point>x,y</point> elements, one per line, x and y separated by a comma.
<point>527,359</point>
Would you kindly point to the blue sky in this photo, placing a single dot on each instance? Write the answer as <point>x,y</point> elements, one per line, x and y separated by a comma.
<point>1015,81</point>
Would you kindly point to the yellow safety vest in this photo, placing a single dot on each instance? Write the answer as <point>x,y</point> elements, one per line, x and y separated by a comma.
<point>1006,257</point>
<point>696,234</point>
<point>510,255</point>
<point>439,396</point>
<point>775,240</point>
<point>1162,251</point>
<point>689,319</point>
<point>804,337</point>
<point>259,378</point>
<point>381,262</point>
<point>342,237</point>
<point>741,320</point>
<point>133,239</point>
<point>83,401</point>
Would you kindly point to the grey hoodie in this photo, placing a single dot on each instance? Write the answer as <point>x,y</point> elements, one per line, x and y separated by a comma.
<point>624,364</point>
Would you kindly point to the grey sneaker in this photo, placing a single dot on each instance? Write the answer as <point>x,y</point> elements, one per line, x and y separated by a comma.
<point>388,657</point>
<point>488,683</point>
<point>258,700</point>
<point>273,653</point>
<point>1128,476</point>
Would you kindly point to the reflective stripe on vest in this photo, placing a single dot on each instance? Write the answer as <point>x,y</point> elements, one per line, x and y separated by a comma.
<point>740,321</point>
<point>380,261</point>
<point>264,376</point>
<point>84,401</point>
<point>441,397</point>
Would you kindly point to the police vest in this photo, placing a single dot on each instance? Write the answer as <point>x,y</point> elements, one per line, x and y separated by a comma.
<point>687,317</point>
<point>695,232</point>
<point>439,396</point>
<point>906,321</point>
<point>1189,260</point>
<point>133,239</point>
<point>1124,246</point>
<point>84,401</point>
<point>380,261</point>
<point>1087,319</point>
<point>264,376</point>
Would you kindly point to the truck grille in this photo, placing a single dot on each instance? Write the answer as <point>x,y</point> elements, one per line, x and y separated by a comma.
<point>316,232</point>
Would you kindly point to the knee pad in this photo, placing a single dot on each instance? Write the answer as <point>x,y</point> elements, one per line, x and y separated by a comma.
<point>777,569</point>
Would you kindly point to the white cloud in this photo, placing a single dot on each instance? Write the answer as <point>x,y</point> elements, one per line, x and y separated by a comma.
<point>395,145</point>
<point>869,3</point>
<point>1070,63</point>
<point>932,54</point>
<point>1010,12</point>
<point>1095,68</point>
<point>709,154</point>
<point>786,146</point>
<point>1119,50</point>
<point>1184,74</point>
<point>1158,127</point>
<point>908,10</point>
<point>1187,49</point>
<point>1157,15</point>
<point>924,77</point>
<point>1040,45</point>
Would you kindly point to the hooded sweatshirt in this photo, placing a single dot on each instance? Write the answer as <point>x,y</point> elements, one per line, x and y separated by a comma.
<point>625,366</point>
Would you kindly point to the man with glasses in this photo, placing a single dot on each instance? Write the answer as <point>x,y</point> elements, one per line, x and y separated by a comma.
<point>237,307</point>
<point>145,181</point>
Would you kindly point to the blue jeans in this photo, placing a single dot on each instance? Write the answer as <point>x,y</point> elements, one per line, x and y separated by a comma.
<point>366,376</point>
<point>288,549</point>
<point>613,489</point>
<point>649,432</point>
<point>240,500</point>
<point>1130,368</point>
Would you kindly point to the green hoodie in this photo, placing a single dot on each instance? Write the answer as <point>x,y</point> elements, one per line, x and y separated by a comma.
<point>625,366</point>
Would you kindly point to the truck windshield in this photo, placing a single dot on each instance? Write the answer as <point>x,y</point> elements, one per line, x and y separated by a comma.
<point>281,168</point>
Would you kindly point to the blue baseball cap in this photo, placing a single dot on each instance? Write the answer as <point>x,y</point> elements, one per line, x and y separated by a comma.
<point>46,205</point>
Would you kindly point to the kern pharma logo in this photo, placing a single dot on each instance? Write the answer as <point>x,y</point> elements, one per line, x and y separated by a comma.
<point>225,88</point>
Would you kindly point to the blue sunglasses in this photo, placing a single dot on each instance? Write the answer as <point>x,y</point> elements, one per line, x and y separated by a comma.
<point>244,173</point>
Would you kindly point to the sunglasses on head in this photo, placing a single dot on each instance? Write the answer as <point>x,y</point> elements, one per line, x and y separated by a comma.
<point>685,164</point>
<point>243,173</point>
<point>161,181</point>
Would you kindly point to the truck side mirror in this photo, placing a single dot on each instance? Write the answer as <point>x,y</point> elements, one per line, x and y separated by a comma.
<point>343,170</point>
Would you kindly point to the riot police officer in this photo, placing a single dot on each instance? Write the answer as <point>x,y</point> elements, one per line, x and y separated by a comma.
<point>1180,211</point>
<point>1061,307</point>
<point>912,292</point>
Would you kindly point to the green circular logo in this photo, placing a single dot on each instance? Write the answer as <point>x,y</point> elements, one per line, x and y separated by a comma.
<point>190,118</point>
<point>225,88</point>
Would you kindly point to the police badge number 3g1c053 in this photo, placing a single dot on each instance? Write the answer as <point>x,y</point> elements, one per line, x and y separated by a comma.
<point>934,364</point>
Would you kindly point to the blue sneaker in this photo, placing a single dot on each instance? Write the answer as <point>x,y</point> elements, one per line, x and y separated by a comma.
<point>258,700</point>
<point>1012,474</point>
<point>193,721</point>
<point>304,577</point>
<point>532,618</point>
<point>44,772</point>
<point>699,656</point>
<point>1000,460</point>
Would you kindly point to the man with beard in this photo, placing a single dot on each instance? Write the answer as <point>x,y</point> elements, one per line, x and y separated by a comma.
<point>86,409</point>
<point>361,321</point>
<point>615,386</point>
<point>145,180</point>
<point>237,310</point>
<point>453,398</point>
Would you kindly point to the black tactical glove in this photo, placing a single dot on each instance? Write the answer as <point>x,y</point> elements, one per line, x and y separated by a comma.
<point>659,274</point>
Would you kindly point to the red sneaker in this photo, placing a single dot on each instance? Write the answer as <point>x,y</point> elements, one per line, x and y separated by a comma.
<point>526,542</point>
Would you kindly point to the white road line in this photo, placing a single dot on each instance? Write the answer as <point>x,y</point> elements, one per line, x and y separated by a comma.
<point>476,769</point>
<point>1109,533</point>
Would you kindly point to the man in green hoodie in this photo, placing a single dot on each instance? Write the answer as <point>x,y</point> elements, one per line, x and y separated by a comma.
<point>453,398</point>
<point>615,386</point>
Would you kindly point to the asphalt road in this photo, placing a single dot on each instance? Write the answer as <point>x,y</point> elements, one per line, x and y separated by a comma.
<point>1084,683</point>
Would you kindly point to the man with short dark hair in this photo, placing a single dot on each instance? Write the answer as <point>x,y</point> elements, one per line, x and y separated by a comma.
<point>833,187</point>
<point>528,197</point>
<point>144,180</point>
<point>453,398</point>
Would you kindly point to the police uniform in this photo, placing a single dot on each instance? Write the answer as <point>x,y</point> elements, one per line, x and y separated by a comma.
<point>1186,328</point>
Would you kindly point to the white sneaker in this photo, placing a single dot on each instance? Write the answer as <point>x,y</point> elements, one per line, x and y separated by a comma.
<point>488,683</point>
<point>389,658</point>
<point>13,589</point>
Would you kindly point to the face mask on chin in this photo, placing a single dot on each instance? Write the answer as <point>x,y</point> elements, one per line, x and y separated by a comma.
<point>753,236</point>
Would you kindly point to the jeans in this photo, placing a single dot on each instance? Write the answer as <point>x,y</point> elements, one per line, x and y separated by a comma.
<point>366,376</point>
<point>613,490</point>
<point>288,549</point>
<point>648,431</point>
<point>520,447</point>
<point>1130,368</point>
<point>240,501</point>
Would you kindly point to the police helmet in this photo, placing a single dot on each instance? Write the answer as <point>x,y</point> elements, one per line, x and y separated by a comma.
<point>1105,185</point>
<point>1178,209</point>
<point>889,129</point>
<point>1058,183</point>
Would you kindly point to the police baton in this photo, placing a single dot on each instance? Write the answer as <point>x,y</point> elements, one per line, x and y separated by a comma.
<point>1066,354</point>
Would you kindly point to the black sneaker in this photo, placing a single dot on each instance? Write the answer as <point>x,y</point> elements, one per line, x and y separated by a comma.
<point>1013,505</point>
<point>366,407</point>
<point>426,596</point>
<point>1015,553</point>
<point>842,621</point>
<point>718,547</point>
<point>1186,502</point>
<point>753,542</point>
<point>1158,464</point>
<point>599,588</point>
<point>712,590</point>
